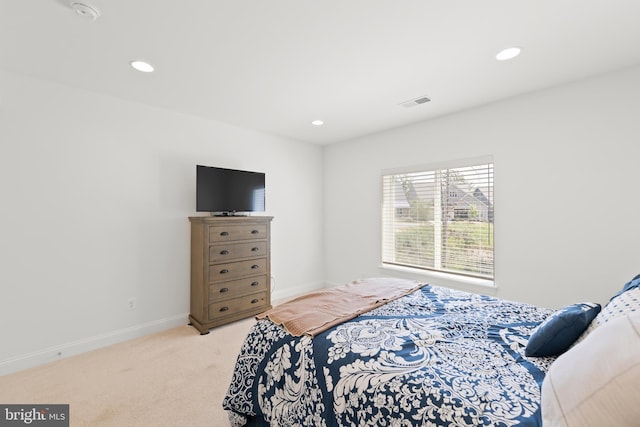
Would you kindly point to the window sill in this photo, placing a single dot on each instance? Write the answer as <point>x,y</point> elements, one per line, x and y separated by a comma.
<point>437,278</point>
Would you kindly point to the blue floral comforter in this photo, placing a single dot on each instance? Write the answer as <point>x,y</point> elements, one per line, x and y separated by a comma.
<point>436,357</point>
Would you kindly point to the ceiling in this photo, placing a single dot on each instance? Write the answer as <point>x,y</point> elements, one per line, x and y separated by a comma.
<point>274,66</point>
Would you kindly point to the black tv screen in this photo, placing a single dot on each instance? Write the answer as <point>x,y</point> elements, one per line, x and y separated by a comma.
<point>227,191</point>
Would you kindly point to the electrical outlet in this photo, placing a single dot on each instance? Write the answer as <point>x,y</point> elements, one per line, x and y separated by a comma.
<point>133,304</point>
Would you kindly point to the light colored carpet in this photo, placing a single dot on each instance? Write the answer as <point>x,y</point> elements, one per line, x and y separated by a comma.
<point>172,378</point>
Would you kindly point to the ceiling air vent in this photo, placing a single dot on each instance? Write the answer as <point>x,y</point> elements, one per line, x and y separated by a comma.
<point>416,101</point>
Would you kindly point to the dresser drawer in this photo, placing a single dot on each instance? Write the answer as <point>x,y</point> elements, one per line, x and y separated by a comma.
<point>230,251</point>
<point>235,288</point>
<point>236,305</point>
<point>226,233</point>
<point>231,270</point>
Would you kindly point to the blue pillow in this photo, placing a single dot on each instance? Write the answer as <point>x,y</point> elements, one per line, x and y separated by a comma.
<point>561,329</point>
<point>633,283</point>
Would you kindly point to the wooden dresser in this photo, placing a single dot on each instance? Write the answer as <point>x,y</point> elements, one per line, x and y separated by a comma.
<point>230,269</point>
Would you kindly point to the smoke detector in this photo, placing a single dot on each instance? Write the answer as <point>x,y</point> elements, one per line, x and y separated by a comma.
<point>86,11</point>
<point>416,101</point>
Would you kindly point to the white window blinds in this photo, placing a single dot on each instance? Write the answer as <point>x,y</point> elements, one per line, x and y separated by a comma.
<point>440,219</point>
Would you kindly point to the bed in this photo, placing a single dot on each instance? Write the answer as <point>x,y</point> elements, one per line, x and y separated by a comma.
<point>432,357</point>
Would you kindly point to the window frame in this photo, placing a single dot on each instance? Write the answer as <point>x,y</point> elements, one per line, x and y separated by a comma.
<point>443,274</point>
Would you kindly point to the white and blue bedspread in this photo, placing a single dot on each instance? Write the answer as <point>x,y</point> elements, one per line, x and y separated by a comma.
<point>436,357</point>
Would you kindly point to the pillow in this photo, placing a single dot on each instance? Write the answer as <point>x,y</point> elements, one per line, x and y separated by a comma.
<point>631,284</point>
<point>597,382</point>
<point>621,305</point>
<point>561,329</point>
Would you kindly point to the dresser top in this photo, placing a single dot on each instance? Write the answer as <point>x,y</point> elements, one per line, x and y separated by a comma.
<point>229,219</point>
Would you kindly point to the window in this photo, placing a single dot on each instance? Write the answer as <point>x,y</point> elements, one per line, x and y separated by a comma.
<point>440,218</point>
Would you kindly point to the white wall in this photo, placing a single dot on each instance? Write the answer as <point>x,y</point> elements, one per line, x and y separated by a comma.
<point>96,193</point>
<point>95,196</point>
<point>566,188</point>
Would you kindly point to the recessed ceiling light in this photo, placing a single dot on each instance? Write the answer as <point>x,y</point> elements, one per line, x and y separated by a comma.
<point>145,67</point>
<point>508,53</point>
<point>317,122</point>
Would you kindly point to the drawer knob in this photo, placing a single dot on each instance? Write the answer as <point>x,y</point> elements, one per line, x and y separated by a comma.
<point>256,249</point>
<point>225,308</point>
<point>225,271</point>
<point>254,266</point>
<point>255,284</point>
<point>224,252</point>
<point>224,290</point>
<point>224,233</point>
<point>254,232</point>
<point>256,300</point>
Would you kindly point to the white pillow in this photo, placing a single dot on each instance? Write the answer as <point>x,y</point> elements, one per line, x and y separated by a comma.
<point>597,382</point>
<point>623,304</point>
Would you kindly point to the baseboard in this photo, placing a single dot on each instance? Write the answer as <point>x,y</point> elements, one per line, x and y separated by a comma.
<point>51,354</point>
<point>278,295</point>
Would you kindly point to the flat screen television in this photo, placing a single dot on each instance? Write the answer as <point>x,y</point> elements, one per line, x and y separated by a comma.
<point>223,191</point>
